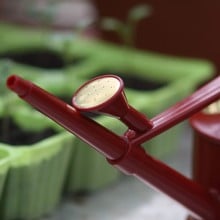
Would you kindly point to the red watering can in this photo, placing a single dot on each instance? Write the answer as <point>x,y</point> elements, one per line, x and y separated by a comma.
<point>105,94</point>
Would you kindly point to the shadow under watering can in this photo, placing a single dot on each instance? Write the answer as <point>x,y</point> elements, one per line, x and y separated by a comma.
<point>105,95</point>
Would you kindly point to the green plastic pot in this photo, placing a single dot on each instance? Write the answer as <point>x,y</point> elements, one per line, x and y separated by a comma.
<point>35,178</point>
<point>89,170</point>
<point>5,158</point>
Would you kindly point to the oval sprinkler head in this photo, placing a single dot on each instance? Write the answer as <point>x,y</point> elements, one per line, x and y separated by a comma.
<point>104,94</point>
<point>95,93</point>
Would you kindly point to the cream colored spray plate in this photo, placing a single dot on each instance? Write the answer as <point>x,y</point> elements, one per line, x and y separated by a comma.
<point>213,108</point>
<point>97,92</point>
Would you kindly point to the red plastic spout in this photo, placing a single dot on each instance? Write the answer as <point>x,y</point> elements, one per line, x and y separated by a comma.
<point>126,154</point>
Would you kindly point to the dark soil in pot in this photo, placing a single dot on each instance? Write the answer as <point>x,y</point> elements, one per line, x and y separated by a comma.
<point>135,82</point>
<point>43,59</point>
<point>13,135</point>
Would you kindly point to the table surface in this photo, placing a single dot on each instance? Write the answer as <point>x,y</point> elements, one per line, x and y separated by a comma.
<point>130,199</point>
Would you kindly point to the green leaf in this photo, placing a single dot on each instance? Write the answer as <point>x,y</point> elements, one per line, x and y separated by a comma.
<point>4,73</point>
<point>139,12</point>
<point>111,24</point>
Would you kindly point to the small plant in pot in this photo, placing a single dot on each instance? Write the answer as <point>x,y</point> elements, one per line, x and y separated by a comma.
<point>126,30</point>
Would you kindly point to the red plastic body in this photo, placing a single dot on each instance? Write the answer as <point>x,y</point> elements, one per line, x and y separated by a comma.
<point>125,152</point>
<point>206,164</point>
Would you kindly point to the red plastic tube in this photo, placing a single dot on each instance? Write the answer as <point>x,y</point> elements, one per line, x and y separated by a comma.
<point>126,154</point>
<point>163,178</point>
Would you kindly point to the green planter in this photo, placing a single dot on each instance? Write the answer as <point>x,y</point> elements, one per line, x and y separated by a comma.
<point>35,178</point>
<point>88,169</point>
<point>75,166</point>
<point>5,158</point>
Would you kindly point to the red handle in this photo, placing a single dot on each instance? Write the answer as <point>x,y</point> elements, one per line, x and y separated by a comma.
<point>182,110</point>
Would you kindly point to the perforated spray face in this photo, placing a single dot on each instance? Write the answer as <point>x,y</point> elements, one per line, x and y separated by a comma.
<point>213,108</point>
<point>96,92</point>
